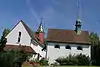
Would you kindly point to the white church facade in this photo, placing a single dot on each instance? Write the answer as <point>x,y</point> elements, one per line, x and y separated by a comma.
<point>22,35</point>
<point>62,43</point>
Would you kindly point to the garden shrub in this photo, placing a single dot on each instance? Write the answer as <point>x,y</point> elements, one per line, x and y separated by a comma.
<point>83,60</point>
<point>12,58</point>
<point>43,61</point>
<point>74,60</point>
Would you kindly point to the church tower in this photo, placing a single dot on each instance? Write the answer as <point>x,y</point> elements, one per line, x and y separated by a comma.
<point>40,33</point>
<point>78,26</point>
<point>78,21</point>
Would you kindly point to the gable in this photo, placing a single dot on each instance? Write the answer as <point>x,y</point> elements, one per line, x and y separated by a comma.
<point>12,37</point>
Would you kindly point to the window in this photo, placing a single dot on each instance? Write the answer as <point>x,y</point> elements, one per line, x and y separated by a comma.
<point>19,33</point>
<point>19,36</point>
<point>79,48</point>
<point>18,39</point>
<point>67,47</point>
<point>57,46</point>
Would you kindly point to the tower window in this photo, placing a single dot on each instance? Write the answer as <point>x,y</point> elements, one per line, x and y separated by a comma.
<point>79,48</point>
<point>67,47</point>
<point>57,46</point>
<point>19,36</point>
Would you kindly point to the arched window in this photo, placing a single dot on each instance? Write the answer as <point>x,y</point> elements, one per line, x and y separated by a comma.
<point>67,47</point>
<point>79,48</point>
<point>57,46</point>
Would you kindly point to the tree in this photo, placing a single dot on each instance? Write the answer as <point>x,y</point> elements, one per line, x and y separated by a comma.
<point>94,38</point>
<point>10,58</point>
<point>3,41</point>
<point>97,55</point>
<point>6,32</point>
<point>95,48</point>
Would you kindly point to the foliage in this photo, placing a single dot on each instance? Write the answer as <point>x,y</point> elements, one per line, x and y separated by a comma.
<point>43,61</point>
<point>96,59</point>
<point>94,38</point>
<point>83,60</point>
<point>6,32</point>
<point>3,41</point>
<point>12,58</point>
<point>74,60</point>
<point>95,48</point>
<point>34,61</point>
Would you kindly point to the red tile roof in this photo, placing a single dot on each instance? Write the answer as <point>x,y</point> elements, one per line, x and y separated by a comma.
<point>27,49</point>
<point>67,36</point>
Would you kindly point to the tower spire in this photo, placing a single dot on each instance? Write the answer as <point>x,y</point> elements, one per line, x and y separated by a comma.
<point>78,21</point>
<point>40,32</point>
<point>40,29</point>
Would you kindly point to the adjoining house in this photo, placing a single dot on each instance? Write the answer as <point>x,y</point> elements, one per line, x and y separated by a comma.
<point>62,43</point>
<point>22,37</point>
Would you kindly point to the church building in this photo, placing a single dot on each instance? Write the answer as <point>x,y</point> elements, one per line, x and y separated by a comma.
<point>22,37</point>
<point>62,43</point>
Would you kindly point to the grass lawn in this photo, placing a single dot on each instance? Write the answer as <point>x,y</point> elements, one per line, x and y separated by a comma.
<point>64,66</point>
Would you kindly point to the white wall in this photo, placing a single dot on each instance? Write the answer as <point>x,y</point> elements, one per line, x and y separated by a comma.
<point>12,37</point>
<point>25,39</point>
<point>54,53</point>
<point>38,49</point>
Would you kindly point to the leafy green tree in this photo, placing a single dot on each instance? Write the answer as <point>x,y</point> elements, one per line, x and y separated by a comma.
<point>94,40</point>
<point>3,41</point>
<point>12,58</point>
<point>6,32</point>
<point>97,55</point>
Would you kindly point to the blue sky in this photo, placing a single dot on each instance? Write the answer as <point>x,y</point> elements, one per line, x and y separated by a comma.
<point>60,14</point>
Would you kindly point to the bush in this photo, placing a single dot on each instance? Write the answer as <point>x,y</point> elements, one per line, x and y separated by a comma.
<point>70,60</point>
<point>74,60</point>
<point>43,61</point>
<point>83,60</point>
<point>12,58</point>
